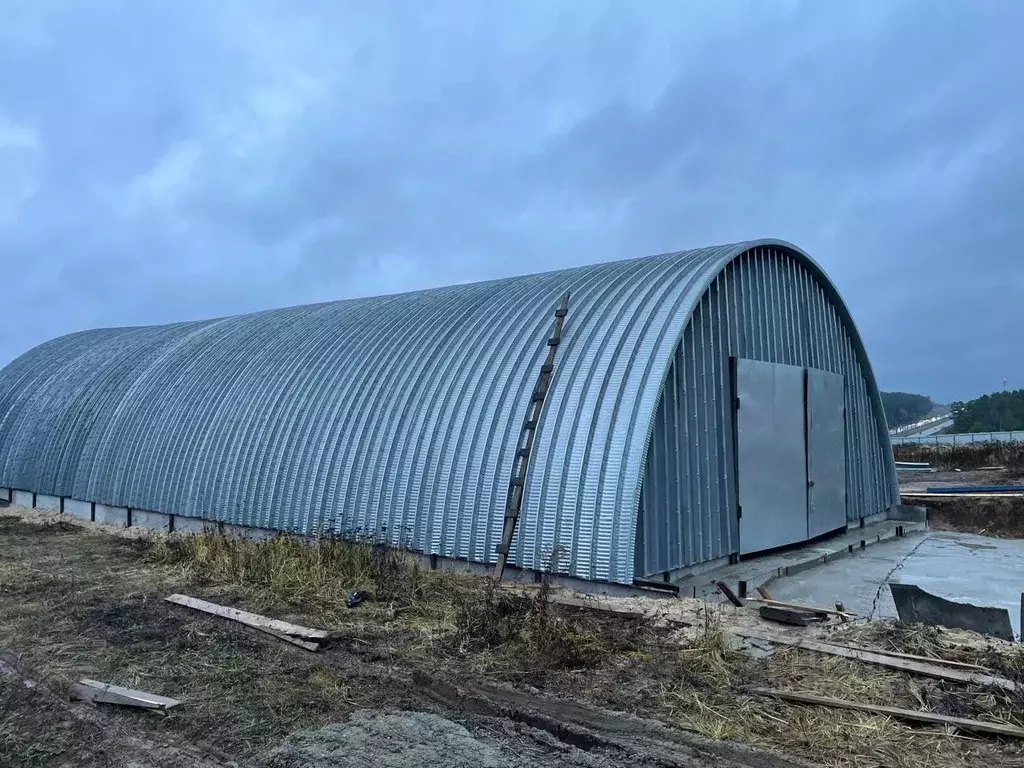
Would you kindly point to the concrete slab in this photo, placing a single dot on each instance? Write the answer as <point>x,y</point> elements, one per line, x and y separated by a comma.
<point>47,502</point>
<point>22,499</point>
<point>765,569</point>
<point>963,567</point>
<point>111,515</point>
<point>915,606</point>
<point>80,509</point>
<point>184,524</point>
<point>155,521</point>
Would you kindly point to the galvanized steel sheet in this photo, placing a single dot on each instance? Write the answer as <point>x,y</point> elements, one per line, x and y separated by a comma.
<point>395,418</point>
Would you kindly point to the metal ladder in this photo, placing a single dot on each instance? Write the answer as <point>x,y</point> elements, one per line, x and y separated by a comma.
<point>526,438</point>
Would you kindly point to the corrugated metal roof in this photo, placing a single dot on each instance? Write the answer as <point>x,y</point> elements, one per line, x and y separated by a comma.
<point>394,418</point>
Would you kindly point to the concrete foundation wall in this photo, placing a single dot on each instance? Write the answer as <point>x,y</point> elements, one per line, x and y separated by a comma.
<point>111,515</point>
<point>47,502</point>
<point>80,509</point>
<point>155,521</point>
<point>190,524</point>
<point>909,513</point>
<point>160,522</point>
<point>5,494</point>
<point>246,532</point>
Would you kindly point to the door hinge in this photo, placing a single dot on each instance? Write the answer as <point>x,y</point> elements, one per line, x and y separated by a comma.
<point>737,400</point>
<point>739,511</point>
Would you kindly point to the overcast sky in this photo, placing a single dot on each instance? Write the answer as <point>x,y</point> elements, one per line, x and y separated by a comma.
<point>171,160</point>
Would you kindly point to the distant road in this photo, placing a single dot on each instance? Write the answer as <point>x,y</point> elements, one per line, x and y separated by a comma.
<point>934,429</point>
<point>929,426</point>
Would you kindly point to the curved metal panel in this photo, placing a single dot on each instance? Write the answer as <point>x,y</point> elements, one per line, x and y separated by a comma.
<point>392,418</point>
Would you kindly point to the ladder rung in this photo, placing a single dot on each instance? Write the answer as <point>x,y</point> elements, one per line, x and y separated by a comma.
<point>518,483</point>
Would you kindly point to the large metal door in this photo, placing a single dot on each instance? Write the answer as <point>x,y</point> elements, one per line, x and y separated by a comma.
<point>826,452</point>
<point>771,454</point>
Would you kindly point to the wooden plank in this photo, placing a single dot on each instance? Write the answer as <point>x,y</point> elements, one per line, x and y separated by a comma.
<point>764,593</point>
<point>931,718</point>
<point>249,619</point>
<point>306,645</point>
<point>913,657</point>
<point>870,657</point>
<point>729,594</point>
<point>801,607</point>
<point>788,616</point>
<point>105,693</point>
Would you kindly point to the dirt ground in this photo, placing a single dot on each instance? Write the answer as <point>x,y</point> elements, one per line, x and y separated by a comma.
<point>919,481</point>
<point>442,670</point>
<point>1001,516</point>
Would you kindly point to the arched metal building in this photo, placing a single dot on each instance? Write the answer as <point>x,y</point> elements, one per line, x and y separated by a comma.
<point>703,404</point>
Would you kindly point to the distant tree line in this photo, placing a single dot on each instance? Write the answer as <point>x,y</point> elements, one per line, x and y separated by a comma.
<point>996,412</point>
<point>904,408</point>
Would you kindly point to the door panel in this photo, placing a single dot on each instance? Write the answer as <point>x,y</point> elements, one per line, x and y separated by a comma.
<point>826,451</point>
<point>771,454</point>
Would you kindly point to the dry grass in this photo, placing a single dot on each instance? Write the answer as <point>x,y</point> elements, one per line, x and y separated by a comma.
<point>712,698</point>
<point>316,576</point>
<point>1004,658</point>
<point>511,633</point>
<point>75,603</point>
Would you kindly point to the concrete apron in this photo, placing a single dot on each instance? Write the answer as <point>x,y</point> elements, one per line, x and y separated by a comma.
<point>961,567</point>
<point>761,571</point>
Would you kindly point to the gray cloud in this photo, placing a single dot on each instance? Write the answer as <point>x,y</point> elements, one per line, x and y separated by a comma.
<point>169,161</point>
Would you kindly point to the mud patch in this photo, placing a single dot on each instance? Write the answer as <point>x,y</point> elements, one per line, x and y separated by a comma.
<point>388,740</point>
<point>44,526</point>
<point>132,622</point>
<point>1001,516</point>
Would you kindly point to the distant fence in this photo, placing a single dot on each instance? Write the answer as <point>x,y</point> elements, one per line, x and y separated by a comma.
<point>962,438</point>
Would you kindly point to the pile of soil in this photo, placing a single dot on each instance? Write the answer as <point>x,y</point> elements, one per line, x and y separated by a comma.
<point>963,456</point>
<point>388,740</point>
<point>999,516</point>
